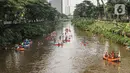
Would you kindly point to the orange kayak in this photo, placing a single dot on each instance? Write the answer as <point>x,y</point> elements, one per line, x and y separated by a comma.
<point>20,49</point>
<point>111,60</point>
<point>111,63</point>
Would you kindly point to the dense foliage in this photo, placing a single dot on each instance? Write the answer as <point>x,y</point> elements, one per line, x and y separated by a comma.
<point>104,11</point>
<point>27,10</point>
<point>15,34</point>
<point>118,33</point>
<point>23,13</point>
<point>85,9</point>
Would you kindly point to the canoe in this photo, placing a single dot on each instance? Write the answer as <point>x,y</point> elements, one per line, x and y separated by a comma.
<point>26,46</point>
<point>67,40</point>
<point>111,60</point>
<point>48,38</point>
<point>20,49</point>
<point>58,44</point>
<point>111,63</point>
<point>84,44</point>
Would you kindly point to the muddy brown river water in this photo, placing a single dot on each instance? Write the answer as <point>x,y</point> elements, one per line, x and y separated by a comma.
<point>71,58</point>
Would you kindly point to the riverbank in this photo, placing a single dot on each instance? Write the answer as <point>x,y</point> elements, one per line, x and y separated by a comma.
<point>16,33</point>
<point>117,32</point>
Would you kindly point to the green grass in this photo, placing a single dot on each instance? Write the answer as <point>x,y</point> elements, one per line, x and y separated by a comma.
<point>110,30</point>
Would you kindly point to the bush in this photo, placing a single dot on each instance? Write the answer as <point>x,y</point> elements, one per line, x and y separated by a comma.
<point>109,30</point>
<point>19,32</point>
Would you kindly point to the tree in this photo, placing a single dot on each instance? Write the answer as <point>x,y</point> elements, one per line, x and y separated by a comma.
<point>85,9</point>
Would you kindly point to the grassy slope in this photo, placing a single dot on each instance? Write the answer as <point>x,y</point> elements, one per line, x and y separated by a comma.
<point>108,29</point>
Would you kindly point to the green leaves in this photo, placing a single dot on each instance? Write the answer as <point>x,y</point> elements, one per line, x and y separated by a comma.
<point>85,9</point>
<point>22,11</point>
<point>19,32</point>
<point>105,28</point>
<point>27,10</point>
<point>82,23</point>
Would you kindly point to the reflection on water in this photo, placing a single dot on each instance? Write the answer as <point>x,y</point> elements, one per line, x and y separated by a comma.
<point>13,60</point>
<point>71,58</point>
<point>106,46</point>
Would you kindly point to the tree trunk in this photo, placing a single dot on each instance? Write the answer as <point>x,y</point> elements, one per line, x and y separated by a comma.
<point>104,8</point>
<point>98,4</point>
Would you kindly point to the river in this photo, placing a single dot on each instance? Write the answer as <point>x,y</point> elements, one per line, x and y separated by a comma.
<point>71,58</point>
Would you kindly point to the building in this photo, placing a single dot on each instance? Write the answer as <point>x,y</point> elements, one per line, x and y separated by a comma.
<point>63,6</point>
<point>67,7</point>
<point>58,4</point>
